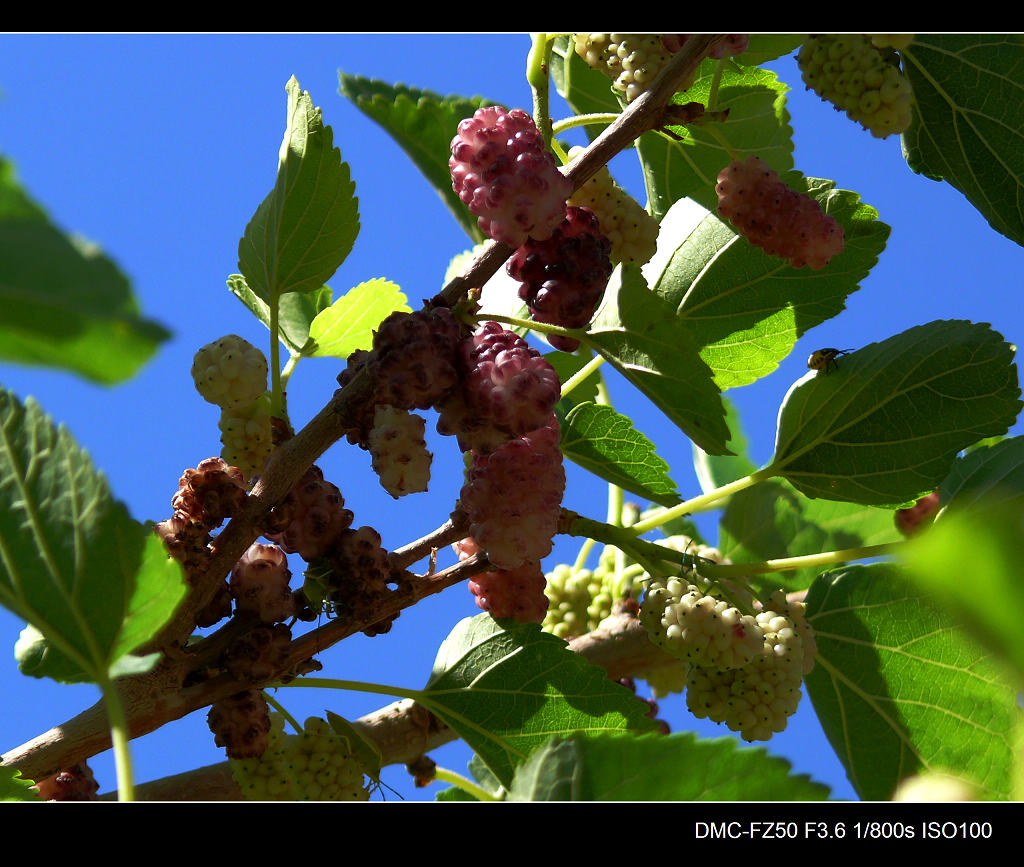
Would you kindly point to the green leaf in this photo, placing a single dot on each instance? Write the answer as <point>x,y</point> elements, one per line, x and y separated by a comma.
<point>714,471</point>
<point>899,687</point>
<point>73,564</point>
<point>13,787</point>
<point>764,47</point>
<point>772,520</point>
<point>306,226</point>
<point>638,333</point>
<point>885,427</point>
<point>506,688</point>
<point>423,124</point>
<point>970,560</point>
<point>758,123</point>
<point>37,657</point>
<point>348,324</point>
<point>295,312</point>
<point>745,308</point>
<point>968,126</point>
<point>66,305</point>
<point>986,472</point>
<point>605,442</point>
<point>654,767</point>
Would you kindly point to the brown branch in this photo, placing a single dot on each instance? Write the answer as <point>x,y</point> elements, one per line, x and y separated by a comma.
<point>404,730</point>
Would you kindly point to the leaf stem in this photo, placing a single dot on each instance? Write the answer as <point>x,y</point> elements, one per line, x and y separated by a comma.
<point>702,502</point>
<point>537,76</point>
<point>581,374</point>
<point>276,705</point>
<point>276,402</point>
<point>353,685</point>
<point>118,739</point>
<point>603,117</point>
<point>807,561</point>
<point>540,327</point>
<point>461,782</point>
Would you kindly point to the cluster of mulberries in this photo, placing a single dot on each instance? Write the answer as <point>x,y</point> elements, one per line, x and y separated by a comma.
<point>259,654</point>
<point>758,698</point>
<point>564,276</point>
<point>260,584</point>
<point>398,451</point>
<point>232,373</point>
<point>505,175</point>
<point>507,593</point>
<point>76,783</point>
<point>633,60</point>
<point>861,78</point>
<point>241,724</point>
<point>513,497</point>
<point>697,627</point>
<point>308,520</point>
<point>315,765</point>
<point>579,600</point>
<point>354,574</point>
<point>506,389</point>
<point>246,434</point>
<point>631,231</point>
<point>775,218</point>
<point>207,496</point>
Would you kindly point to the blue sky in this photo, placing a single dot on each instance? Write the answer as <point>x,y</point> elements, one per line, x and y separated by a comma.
<point>159,148</point>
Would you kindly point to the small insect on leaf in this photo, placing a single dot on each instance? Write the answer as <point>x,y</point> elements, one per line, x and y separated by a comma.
<point>825,359</point>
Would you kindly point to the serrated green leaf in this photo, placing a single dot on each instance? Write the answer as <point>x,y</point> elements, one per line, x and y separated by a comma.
<point>714,471</point>
<point>758,123</point>
<point>36,657</point>
<point>970,560</point>
<point>348,324</point>
<point>13,787</point>
<point>637,332</point>
<point>654,767</point>
<point>989,471</point>
<point>885,427</point>
<point>423,124</point>
<point>745,308</point>
<point>899,687</point>
<point>603,441</point>
<point>772,520</point>
<point>506,688</point>
<point>968,125</point>
<point>66,305</point>
<point>295,312</point>
<point>73,564</point>
<point>306,226</point>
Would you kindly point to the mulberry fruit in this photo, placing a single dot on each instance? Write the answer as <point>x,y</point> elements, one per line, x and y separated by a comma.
<point>502,171</point>
<point>310,518</point>
<point>399,453</point>
<point>315,765</point>
<point>230,372</point>
<point>914,519</point>
<point>564,277</point>
<point>508,593</point>
<point>698,628</point>
<point>859,78</point>
<point>775,218</point>
<point>241,724</point>
<point>246,434</point>
<point>260,584</point>
<point>513,497</point>
<point>631,231</point>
